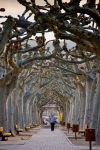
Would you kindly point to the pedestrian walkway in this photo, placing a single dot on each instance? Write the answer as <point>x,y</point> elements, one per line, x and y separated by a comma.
<point>46,140</point>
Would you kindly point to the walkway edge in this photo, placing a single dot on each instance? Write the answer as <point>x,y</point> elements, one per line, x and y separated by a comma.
<point>67,138</point>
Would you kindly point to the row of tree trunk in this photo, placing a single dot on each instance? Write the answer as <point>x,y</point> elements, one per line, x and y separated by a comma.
<point>16,108</point>
<point>83,108</point>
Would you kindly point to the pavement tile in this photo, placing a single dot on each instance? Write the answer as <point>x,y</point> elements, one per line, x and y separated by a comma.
<point>45,140</point>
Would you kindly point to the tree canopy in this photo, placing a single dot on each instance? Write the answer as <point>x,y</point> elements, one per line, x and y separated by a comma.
<point>24,47</point>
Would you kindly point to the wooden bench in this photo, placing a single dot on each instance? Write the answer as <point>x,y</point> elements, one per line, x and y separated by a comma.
<point>4,135</point>
<point>18,130</point>
<point>31,126</point>
<point>82,132</point>
<point>34,125</point>
<point>27,128</point>
<point>1,132</point>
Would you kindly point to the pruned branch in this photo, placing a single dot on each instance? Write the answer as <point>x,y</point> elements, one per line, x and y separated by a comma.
<point>9,24</point>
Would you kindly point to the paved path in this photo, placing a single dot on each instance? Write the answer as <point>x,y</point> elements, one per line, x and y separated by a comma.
<point>45,140</point>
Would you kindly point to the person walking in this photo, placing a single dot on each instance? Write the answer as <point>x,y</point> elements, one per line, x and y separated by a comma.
<point>52,121</point>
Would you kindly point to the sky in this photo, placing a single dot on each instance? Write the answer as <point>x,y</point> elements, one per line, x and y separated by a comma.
<point>14,8</point>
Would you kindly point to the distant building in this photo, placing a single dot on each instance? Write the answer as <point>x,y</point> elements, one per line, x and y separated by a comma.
<point>49,108</point>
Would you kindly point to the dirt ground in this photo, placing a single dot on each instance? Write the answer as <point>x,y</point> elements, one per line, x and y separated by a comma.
<point>80,138</point>
<point>25,135</point>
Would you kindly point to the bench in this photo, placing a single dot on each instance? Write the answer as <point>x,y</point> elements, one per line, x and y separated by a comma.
<point>31,126</point>
<point>27,128</point>
<point>34,125</point>
<point>4,135</point>
<point>18,130</point>
<point>82,132</point>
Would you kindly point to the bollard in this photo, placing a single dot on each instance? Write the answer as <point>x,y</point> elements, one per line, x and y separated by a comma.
<point>75,129</point>
<point>90,141</point>
<point>68,126</point>
<point>90,136</point>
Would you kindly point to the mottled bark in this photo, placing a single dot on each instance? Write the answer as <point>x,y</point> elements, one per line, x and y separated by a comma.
<point>96,104</point>
<point>5,90</point>
<point>11,112</point>
<point>87,117</point>
<point>82,106</point>
<point>98,128</point>
<point>76,106</point>
<point>70,119</point>
<point>20,111</point>
<point>9,24</point>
